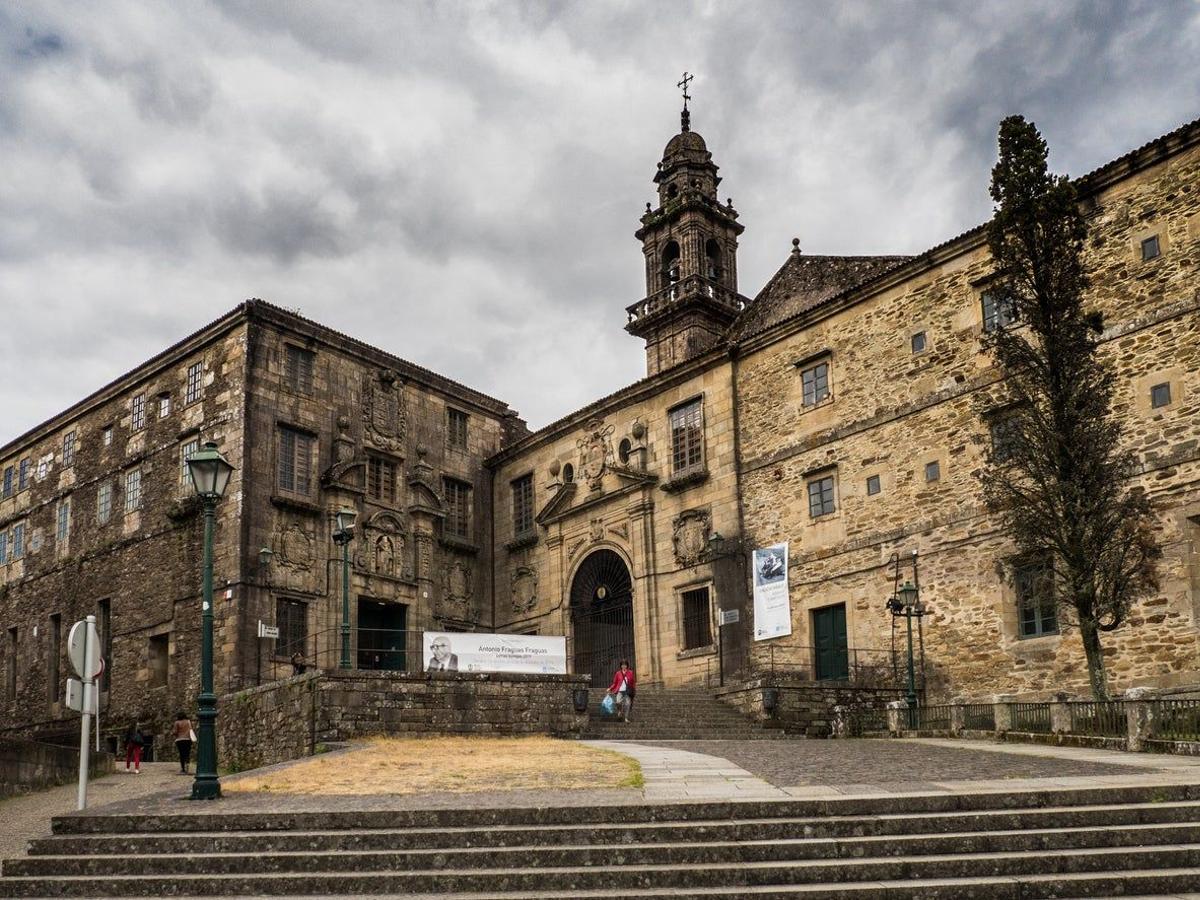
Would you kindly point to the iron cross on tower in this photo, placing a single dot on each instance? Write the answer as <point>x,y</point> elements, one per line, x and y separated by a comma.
<point>685,116</point>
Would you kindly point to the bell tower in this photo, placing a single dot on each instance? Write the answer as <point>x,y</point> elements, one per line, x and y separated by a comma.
<point>690,245</point>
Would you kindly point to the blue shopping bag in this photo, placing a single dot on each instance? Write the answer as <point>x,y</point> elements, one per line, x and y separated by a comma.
<point>607,705</point>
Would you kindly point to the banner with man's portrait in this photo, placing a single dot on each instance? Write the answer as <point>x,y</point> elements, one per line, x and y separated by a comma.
<point>470,652</point>
<point>772,605</point>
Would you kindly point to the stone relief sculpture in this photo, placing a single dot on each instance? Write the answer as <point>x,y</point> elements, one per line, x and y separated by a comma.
<point>295,553</point>
<point>692,529</point>
<point>524,589</point>
<point>595,452</point>
<point>384,546</point>
<point>385,418</point>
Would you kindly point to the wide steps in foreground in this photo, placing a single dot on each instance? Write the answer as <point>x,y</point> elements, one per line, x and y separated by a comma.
<point>1065,843</point>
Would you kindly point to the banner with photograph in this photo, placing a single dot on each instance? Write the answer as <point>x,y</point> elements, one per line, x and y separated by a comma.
<point>469,652</point>
<point>772,605</point>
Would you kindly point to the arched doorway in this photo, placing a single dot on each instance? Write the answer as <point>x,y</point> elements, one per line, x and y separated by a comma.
<point>601,616</point>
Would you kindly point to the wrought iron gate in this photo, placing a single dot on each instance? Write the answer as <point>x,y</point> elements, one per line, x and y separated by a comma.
<point>602,616</point>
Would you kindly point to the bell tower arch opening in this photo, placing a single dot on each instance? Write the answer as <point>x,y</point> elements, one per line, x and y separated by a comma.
<point>601,616</point>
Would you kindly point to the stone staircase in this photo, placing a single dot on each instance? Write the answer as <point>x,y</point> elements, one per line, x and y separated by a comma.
<point>672,714</point>
<point>1102,842</point>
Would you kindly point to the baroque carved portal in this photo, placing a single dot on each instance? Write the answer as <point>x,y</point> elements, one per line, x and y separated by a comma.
<point>595,452</point>
<point>385,418</point>
<point>692,529</point>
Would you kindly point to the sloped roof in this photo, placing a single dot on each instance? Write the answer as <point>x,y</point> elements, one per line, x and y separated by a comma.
<point>804,282</point>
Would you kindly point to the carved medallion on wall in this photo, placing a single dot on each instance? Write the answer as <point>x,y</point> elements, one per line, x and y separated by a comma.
<point>692,530</point>
<point>385,418</point>
<point>596,529</point>
<point>524,588</point>
<point>458,582</point>
<point>295,553</point>
<point>595,452</point>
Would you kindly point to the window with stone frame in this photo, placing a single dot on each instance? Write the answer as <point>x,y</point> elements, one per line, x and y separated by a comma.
<point>137,413</point>
<point>159,659</point>
<point>821,495</point>
<point>298,366</point>
<point>456,428</point>
<point>164,405</point>
<point>1151,248</point>
<point>195,384</point>
<point>696,613</point>
<point>874,485</point>
<point>1160,395</point>
<point>458,507</point>
<point>133,490</point>
<point>381,479</point>
<point>104,497</point>
<point>814,381</point>
<point>687,437</point>
<point>294,461</point>
<point>933,471</point>
<point>522,495</point>
<point>68,449</point>
<point>1037,612</point>
<point>186,449</point>
<point>62,529</point>
<point>291,618</point>
<point>9,472</point>
<point>106,435</point>
<point>997,312</point>
<point>18,541</point>
<point>3,548</point>
<point>23,474</point>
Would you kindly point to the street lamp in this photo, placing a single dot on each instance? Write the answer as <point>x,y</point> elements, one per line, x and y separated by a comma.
<point>905,602</point>
<point>342,535</point>
<point>209,472</point>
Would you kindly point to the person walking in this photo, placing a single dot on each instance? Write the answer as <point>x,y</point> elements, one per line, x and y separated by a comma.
<point>134,741</point>
<point>184,738</point>
<point>624,689</point>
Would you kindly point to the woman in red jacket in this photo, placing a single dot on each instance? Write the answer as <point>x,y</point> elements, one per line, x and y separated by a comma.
<point>624,688</point>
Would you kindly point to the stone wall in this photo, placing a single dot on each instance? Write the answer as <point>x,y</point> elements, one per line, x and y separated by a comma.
<point>292,718</point>
<point>31,765</point>
<point>801,707</point>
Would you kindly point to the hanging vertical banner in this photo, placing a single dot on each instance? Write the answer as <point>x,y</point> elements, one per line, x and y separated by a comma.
<point>772,606</point>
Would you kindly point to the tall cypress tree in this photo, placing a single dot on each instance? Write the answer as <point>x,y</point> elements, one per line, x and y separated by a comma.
<point>1057,473</point>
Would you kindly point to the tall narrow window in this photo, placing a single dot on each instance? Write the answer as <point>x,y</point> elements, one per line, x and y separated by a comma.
<point>697,619</point>
<point>298,369</point>
<point>458,507</point>
<point>63,523</point>
<point>104,502</point>
<point>18,540</point>
<point>104,626</point>
<point>687,438</point>
<point>53,649</point>
<point>159,658</point>
<point>815,382</point>
<point>68,451</point>
<point>133,490</point>
<point>164,405</point>
<point>195,378</point>
<point>381,479</point>
<point>1036,610</point>
<point>8,481</point>
<point>998,312</point>
<point>295,461</point>
<point>291,618</point>
<point>23,475</point>
<point>456,428</point>
<point>821,500</point>
<point>106,436</point>
<point>522,490</point>
<point>3,548</point>
<point>138,413</point>
<point>670,264</point>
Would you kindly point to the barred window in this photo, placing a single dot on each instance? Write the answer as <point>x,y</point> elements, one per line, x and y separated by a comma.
<point>997,312</point>
<point>820,496</point>
<point>164,405</point>
<point>291,618</point>
<point>133,489</point>
<point>298,369</point>
<point>456,428</point>
<point>522,490</point>
<point>63,529</point>
<point>68,451</point>
<point>18,540</point>
<point>295,461</point>
<point>1035,600</point>
<point>195,378</point>
<point>458,507</point>
<point>23,475</point>
<point>381,479</point>
<point>687,437</point>
<point>185,453</point>
<point>104,496</point>
<point>815,381</point>
<point>8,481</point>
<point>138,413</point>
<point>697,619</point>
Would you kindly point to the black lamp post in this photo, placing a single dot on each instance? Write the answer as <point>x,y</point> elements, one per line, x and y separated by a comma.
<point>209,472</point>
<point>342,535</point>
<point>906,602</point>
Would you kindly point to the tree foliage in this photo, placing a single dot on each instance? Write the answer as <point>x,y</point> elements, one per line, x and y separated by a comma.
<point>1057,473</point>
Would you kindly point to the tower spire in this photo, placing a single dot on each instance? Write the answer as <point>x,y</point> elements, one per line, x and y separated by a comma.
<point>685,117</point>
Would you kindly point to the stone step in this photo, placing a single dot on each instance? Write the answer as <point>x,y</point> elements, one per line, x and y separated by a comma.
<point>617,875</point>
<point>252,860</point>
<point>882,827</point>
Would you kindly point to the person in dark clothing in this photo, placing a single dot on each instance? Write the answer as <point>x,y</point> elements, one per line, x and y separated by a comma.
<point>134,742</point>
<point>182,732</point>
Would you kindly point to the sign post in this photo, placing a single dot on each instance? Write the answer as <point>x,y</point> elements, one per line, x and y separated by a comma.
<point>724,617</point>
<point>83,649</point>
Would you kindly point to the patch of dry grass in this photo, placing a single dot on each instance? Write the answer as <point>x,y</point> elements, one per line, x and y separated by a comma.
<point>386,765</point>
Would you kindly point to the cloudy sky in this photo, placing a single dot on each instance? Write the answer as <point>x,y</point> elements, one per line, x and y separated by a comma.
<point>458,183</point>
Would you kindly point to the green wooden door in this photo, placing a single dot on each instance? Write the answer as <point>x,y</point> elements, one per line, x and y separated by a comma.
<point>829,639</point>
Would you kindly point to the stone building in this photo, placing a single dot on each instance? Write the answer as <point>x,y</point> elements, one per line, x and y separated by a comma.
<point>838,410</point>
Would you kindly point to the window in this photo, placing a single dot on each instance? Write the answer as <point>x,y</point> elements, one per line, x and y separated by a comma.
<point>697,619</point>
<point>918,342</point>
<point>3,548</point>
<point>815,381</point>
<point>68,451</point>
<point>933,471</point>
<point>1151,248</point>
<point>820,496</point>
<point>1035,600</point>
<point>18,540</point>
<point>568,473</point>
<point>687,438</point>
<point>1005,432</point>
<point>195,375</point>
<point>186,450</point>
<point>998,312</point>
<point>159,658</point>
<point>458,507</point>
<point>381,479</point>
<point>104,502</point>
<point>106,436</point>
<point>295,461</point>
<point>291,618</point>
<point>8,481</point>
<point>52,654</point>
<point>456,428</point>
<point>1160,395</point>
<point>63,525</point>
<point>137,419</point>
<point>522,490</point>
<point>164,405</point>
<point>23,475</point>
<point>873,485</point>
<point>104,626</point>
<point>298,369</point>
<point>133,489</point>
<point>43,469</point>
